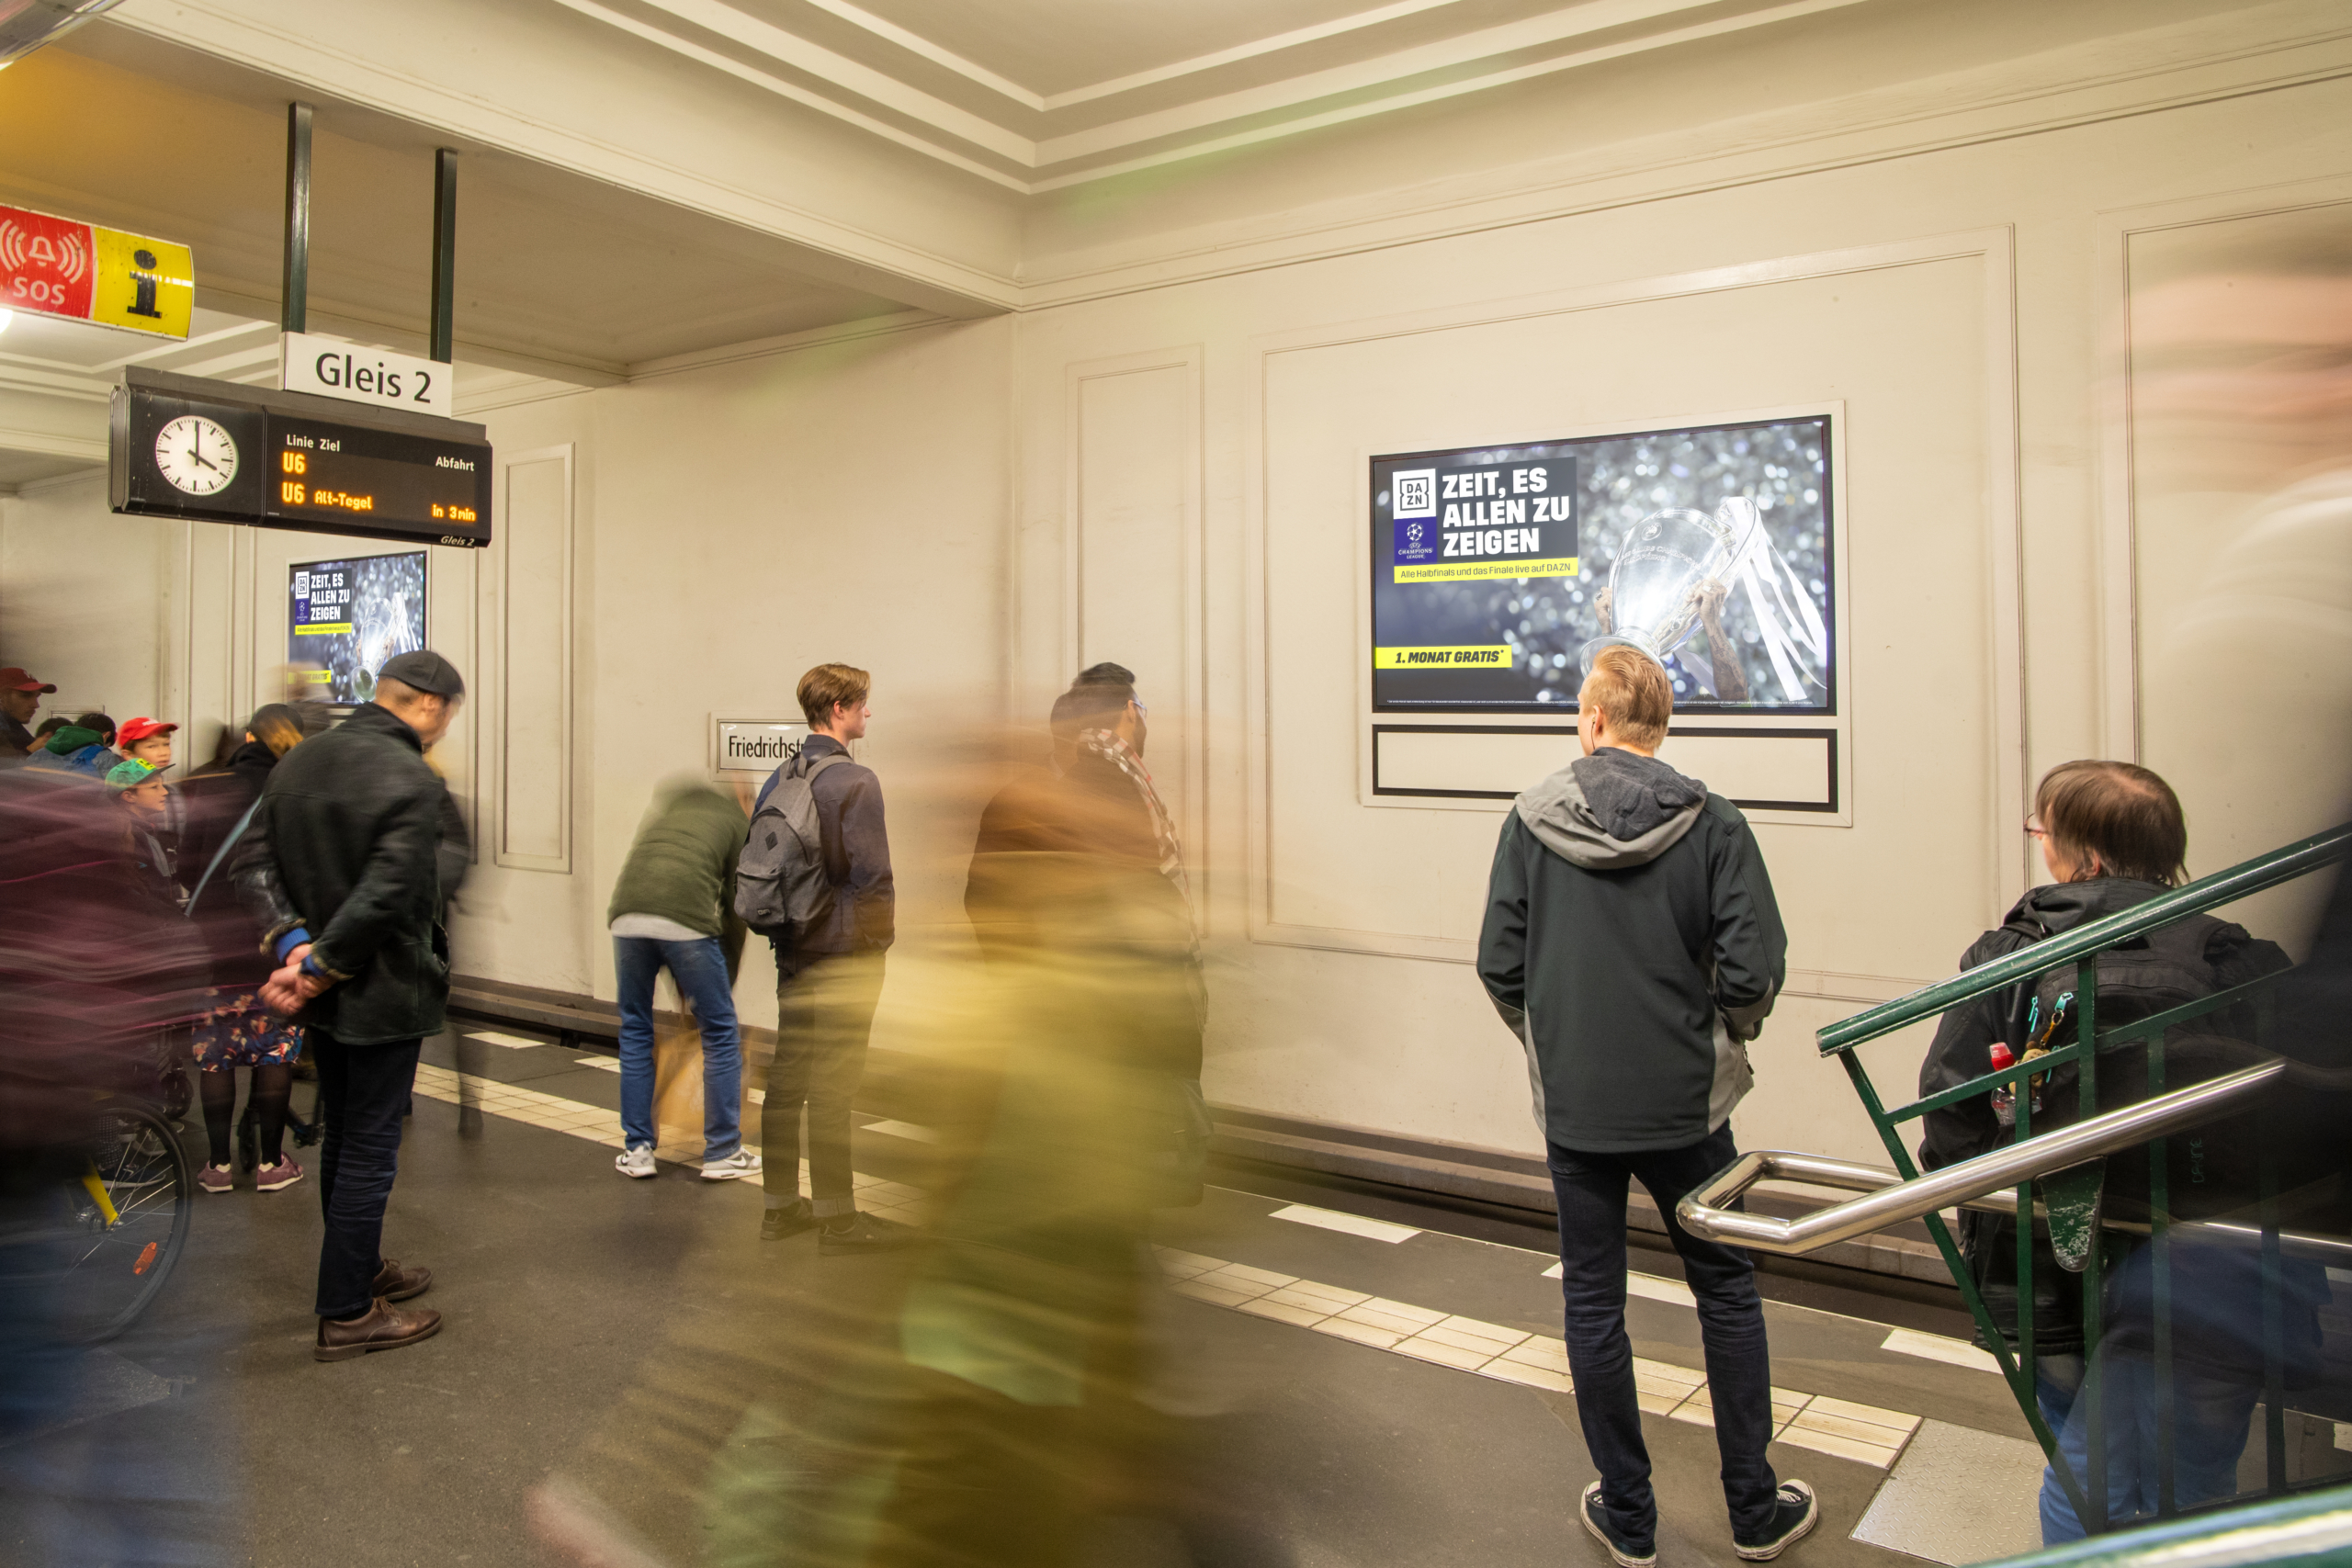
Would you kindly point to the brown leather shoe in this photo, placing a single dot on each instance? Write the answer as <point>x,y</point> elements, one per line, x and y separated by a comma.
<point>382,1326</point>
<point>395,1283</point>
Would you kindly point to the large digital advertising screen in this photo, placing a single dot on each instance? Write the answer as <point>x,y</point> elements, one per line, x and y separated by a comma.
<point>347,618</point>
<point>1497,572</point>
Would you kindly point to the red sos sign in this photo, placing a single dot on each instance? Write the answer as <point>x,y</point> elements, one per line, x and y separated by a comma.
<point>46,264</point>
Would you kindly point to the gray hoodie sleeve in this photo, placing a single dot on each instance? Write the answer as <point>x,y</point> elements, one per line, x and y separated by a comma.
<point>1502,936</point>
<point>1751,949</point>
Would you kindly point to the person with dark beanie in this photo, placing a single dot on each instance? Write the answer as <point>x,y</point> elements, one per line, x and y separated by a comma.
<point>341,864</point>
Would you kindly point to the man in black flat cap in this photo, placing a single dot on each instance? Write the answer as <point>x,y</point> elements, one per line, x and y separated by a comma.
<point>340,865</point>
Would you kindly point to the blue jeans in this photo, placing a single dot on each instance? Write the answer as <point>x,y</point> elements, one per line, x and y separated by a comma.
<point>1591,1190</point>
<point>2212,1418</point>
<point>700,969</point>
<point>363,1091</point>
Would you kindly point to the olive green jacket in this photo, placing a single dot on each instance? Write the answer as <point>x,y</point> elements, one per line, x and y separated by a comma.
<point>682,866</point>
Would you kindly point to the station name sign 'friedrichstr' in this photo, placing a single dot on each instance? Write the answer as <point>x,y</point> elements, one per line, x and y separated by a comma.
<point>182,447</point>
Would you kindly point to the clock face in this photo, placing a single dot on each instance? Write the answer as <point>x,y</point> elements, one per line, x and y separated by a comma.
<point>196,454</point>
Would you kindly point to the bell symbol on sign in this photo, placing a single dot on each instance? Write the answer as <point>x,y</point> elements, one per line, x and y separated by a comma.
<point>144,282</point>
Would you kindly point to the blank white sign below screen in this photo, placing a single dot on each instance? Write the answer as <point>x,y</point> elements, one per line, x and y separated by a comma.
<point>1783,770</point>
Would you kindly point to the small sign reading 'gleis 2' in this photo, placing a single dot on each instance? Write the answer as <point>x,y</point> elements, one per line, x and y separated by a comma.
<point>357,374</point>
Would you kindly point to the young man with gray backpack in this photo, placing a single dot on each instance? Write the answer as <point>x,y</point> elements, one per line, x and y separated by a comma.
<point>815,880</point>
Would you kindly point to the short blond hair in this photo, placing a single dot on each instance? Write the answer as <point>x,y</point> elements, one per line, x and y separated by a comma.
<point>1631,691</point>
<point>828,686</point>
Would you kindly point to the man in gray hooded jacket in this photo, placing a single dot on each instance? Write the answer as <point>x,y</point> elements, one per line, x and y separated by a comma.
<point>1632,942</point>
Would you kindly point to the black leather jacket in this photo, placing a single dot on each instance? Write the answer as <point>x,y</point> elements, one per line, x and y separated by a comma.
<point>345,844</point>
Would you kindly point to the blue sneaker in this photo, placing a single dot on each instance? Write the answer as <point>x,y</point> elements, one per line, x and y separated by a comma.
<point>1624,1550</point>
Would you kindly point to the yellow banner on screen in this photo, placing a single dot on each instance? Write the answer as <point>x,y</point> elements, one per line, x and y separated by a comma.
<point>1483,570</point>
<point>324,628</point>
<point>1495,658</point>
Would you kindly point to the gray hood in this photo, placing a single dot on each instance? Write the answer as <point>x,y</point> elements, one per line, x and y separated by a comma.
<point>1612,811</point>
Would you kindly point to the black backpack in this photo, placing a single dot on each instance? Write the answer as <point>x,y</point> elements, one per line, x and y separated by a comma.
<point>2213,1168</point>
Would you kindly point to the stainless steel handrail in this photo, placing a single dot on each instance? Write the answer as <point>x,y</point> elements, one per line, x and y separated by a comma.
<point>1956,1186</point>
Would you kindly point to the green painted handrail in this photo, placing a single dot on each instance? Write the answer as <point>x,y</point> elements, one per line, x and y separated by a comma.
<point>2205,893</point>
<point>2306,1531</point>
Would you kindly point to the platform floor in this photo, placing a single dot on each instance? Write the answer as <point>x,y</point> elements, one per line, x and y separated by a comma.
<point>627,1373</point>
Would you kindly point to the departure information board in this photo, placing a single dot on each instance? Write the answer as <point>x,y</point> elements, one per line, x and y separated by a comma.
<point>182,446</point>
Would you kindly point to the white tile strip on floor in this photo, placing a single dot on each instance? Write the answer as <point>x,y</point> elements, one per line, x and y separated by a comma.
<point>888,1200</point>
<point>1941,1347</point>
<point>1649,1285</point>
<point>1861,1432</point>
<point>1350,1224</point>
<point>901,1129</point>
<point>514,1041</point>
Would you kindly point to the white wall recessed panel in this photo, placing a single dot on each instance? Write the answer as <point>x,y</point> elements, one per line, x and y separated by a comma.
<point>534,609</point>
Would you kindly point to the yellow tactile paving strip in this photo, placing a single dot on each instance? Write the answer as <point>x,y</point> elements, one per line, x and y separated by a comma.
<point>1864,1433</point>
<point>888,1200</point>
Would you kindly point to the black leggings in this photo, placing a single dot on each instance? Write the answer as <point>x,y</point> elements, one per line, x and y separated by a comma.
<point>273,1087</point>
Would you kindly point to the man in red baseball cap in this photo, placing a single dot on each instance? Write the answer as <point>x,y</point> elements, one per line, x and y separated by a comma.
<point>21,697</point>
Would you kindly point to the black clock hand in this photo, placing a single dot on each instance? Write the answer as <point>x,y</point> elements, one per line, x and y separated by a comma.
<point>200,457</point>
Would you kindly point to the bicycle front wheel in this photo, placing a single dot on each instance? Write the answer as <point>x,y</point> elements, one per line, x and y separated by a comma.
<point>128,1219</point>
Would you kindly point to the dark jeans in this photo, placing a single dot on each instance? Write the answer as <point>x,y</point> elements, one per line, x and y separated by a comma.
<point>823,1015</point>
<point>1591,1190</point>
<point>700,970</point>
<point>362,1091</point>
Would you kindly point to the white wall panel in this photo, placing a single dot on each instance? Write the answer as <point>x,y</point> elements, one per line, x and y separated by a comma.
<point>533,655</point>
<point>1134,584</point>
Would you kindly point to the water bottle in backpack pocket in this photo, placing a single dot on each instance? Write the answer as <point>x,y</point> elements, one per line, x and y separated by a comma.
<point>781,887</point>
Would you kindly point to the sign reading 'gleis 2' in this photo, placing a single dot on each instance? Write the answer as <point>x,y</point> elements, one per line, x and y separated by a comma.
<point>357,374</point>
<point>85,272</point>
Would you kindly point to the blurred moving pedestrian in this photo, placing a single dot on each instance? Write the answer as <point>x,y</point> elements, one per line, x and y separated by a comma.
<point>1633,943</point>
<point>674,909</point>
<point>238,1029</point>
<point>829,978</point>
<point>21,697</point>
<point>341,866</point>
<point>91,968</point>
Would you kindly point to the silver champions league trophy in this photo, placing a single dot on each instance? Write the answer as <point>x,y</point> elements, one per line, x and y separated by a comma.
<point>1670,555</point>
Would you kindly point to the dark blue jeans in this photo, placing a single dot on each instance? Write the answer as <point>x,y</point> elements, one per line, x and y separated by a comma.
<point>1591,1190</point>
<point>700,970</point>
<point>362,1091</point>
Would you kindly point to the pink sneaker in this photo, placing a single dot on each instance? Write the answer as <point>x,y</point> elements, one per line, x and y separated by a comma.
<point>216,1178</point>
<point>270,1177</point>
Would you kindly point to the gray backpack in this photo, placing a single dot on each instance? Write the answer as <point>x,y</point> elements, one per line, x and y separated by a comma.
<point>780,882</point>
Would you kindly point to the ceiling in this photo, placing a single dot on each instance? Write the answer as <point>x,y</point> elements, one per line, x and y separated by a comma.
<point>558,275</point>
<point>1038,95</point>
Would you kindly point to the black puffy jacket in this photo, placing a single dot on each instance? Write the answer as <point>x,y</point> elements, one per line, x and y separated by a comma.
<point>345,844</point>
<point>1961,1051</point>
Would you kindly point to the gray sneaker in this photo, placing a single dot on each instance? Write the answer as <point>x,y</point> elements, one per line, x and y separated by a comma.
<point>636,1160</point>
<point>739,1164</point>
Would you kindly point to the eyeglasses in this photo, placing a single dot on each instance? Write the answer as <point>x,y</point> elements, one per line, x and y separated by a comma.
<point>1141,711</point>
<point>2034,829</point>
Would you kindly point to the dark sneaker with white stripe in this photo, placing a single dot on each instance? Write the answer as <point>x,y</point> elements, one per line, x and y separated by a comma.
<point>1794,1514</point>
<point>1624,1550</point>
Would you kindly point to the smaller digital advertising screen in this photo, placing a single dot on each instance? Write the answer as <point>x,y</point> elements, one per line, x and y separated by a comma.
<point>347,619</point>
<point>335,477</point>
<point>1497,572</point>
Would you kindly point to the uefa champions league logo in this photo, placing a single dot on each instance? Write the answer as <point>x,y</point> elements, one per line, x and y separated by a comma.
<point>1413,534</point>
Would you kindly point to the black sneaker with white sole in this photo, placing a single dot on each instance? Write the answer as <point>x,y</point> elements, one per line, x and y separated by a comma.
<point>1624,1550</point>
<point>1794,1512</point>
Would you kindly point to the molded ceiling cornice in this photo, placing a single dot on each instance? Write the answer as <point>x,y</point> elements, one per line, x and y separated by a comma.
<point>893,82</point>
